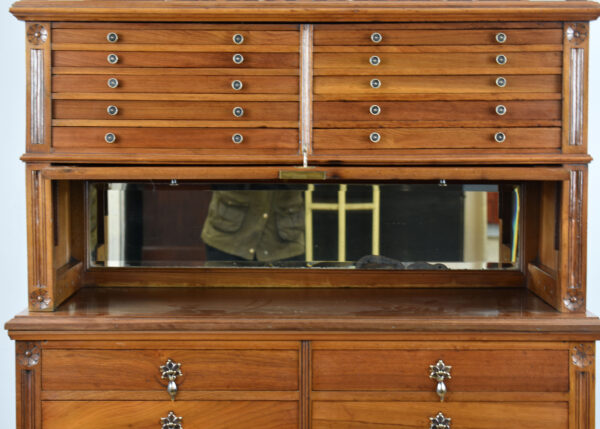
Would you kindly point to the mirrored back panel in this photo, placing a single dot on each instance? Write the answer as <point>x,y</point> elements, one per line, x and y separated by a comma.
<point>426,226</point>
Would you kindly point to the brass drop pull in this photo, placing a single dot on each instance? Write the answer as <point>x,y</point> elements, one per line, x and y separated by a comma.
<point>170,371</point>
<point>112,58</point>
<point>171,421</point>
<point>440,422</point>
<point>112,37</point>
<point>440,372</point>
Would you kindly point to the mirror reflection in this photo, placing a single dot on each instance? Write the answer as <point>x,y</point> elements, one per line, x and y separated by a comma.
<point>426,226</point>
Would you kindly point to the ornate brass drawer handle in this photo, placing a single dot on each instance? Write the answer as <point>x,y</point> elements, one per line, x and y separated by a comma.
<point>376,37</point>
<point>112,58</point>
<point>238,39</point>
<point>171,421</point>
<point>170,371</point>
<point>439,422</point>
<point>501,37</point>
<point>112,37</point>
<point>440,372</point>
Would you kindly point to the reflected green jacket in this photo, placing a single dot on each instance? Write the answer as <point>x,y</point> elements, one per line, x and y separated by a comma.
<point>266,225</point>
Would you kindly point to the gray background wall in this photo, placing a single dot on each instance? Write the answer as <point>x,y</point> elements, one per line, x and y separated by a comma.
<point>13,268</point>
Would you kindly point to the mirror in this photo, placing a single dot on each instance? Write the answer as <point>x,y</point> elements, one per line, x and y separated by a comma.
<point>425,226</point>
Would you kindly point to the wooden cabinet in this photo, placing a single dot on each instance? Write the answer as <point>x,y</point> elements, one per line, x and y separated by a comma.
<point>309,214</point>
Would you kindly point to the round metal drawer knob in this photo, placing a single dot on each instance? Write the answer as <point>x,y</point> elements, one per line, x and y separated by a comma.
<point>112,37</point>
<point>237,85</point>
<point>112,110</point>
<point>500,137</point>
<point>501,59</point>
<point>110,138</point>
<point>375,83</point>
<point>500,109</point>
<point>238,58</point>
<point>375,109</point>
<point>375,137</point>
<point>112,58</point>
<point>501,37</point>
<point>376,37</point>
<point>112,82</point>
<point>501,82</point>
<point>238,39</point>
<point>374,60</point>
<point>237,138</point>
<point>238,112</point>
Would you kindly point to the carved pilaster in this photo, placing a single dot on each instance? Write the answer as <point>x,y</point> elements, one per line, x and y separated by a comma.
<point>581,396</point>
<point>28,358</point>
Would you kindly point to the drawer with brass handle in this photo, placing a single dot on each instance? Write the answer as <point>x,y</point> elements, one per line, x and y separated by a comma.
<point>183,84</point>
<point>387,63</point>
<point>118,59</point>
<point>385,35</point>
<point>243,414</point>
<point>176,110</point>
<point>74,138</point>
<point>430,138</point>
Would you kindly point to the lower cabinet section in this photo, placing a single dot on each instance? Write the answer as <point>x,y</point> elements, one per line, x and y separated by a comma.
<point>149,414</point>
<point>458,415</point>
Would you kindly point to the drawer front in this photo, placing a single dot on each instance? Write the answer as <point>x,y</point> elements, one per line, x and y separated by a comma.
<point>472,370</point>
<point>175,84</point>
<point>69,138</point>
<point>430,138</point>
<point>145,415</point>
<point>175,110</point>
<point>331,35</point>
<point>176,36</point>
<point>339,86</point>
<point>437,63</point>
<point>414,111</point>
<point>133,370</point>
<point>175,59</point>
<point>416,415</point>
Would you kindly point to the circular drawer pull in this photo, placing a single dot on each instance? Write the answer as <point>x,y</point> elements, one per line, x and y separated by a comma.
<point>440,422</point>
<point>376,37</point>
<point>440,372</point>
<point>500,137</point>
<point>110,138</point>
<point>500,109</point>
<point>237,138</point>
<point>112,37</point>
<point>238,58</point>
<point>501,59</point>
<point>238,39</point>
<point>112,110</point>
<point>112,58</point>
<point>237,85</point>
<point>375,83</point>
<point>238,112</point>
<point>171,421</point>
<point>375,137</point>
<point>501,37</point>
<point>375,109</point>
<point>170,371</point>
<point>501,82</point>
<point>113,82</point>
<point>374,60</point>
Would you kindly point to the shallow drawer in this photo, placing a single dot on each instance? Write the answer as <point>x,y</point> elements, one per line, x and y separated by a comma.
<point>351,85</point>
<point>472,370</point>
<point>175,110</point>
<point>143,415</point>
<point>174,59</point>
<point>70,138</point>
<point>438,63</point>
<point>416,415</point>
<point>430,138</point>
<point>437,111</point>
<point>140,369</point>
<point>179,36</point>
<point>175,84</point>
<point>361,35</point>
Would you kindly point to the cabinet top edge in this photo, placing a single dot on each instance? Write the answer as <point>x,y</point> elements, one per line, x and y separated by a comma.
<point>305,10</point>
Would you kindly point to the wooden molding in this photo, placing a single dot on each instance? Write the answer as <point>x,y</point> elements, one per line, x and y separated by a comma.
<point>28,384</point>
